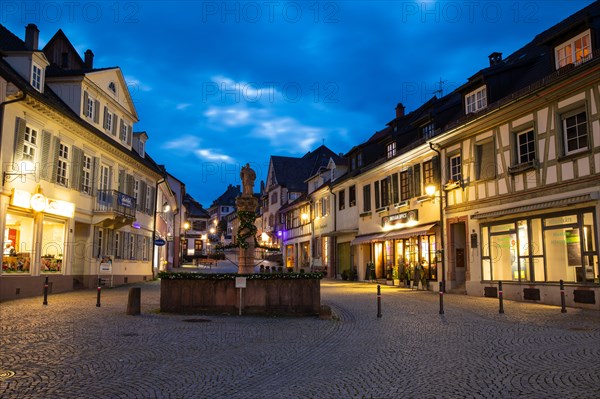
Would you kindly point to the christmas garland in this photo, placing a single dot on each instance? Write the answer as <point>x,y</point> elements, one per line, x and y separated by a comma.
<point>246,230</point>
<point>232,276</point>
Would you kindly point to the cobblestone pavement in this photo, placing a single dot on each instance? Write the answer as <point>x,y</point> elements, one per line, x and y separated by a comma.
<point>73,349</point>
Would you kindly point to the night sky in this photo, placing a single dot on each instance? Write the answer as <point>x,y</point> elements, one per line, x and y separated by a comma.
<point>220,84</point>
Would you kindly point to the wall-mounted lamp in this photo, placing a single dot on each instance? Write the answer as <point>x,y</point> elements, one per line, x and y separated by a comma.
<point>27,168</point>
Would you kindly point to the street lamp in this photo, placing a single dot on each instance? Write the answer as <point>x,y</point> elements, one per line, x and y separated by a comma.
<point>186,227</point>
<point>430,190</point>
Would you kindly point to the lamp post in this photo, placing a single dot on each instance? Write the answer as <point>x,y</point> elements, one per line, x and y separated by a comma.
<point>186,227</point>
<point>430,190</point>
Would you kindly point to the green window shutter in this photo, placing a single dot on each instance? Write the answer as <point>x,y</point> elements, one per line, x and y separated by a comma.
<point>95,244</point>
<point>121,187</point>
<point>377,197</point>
<point>115,124</point>
<point>85,101</point>
<point>411,189</point>
<point>416,181</point>
<point>76,168</point>
<point>19,139</point>
<point>95,182</point>
<point>96,111</point>
<point>129,183</point>
<point>435,164</point>
<point>150,209</point>
<point>129,134</point>
<point>142,197</point>
<point>54,168</point>
<point>45,165</point>
<point>105,120</point>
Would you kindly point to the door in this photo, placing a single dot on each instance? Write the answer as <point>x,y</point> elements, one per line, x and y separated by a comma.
<point>459,263</point>
<point>343,258</point>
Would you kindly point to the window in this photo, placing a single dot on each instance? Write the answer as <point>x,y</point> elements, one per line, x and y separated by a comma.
<point>274,197</point>
<point>224,209</point>
<point>428,131</point>
<point>89,107</point>
<point>575,132</point>
<point>385,191</point>
<point>108,120</point>
<point>359,160</point>
<point>104,184</point>
<point>325,207</point>
<point>391,150</point>
<point>485,161</point>
<point>404,186</point>
<point>476,100</point>
<point>30,143</point>
<point>141,148</point>
<point>525,147</point>
<point>62,167</point>
<point>148,199</point>
<point>86,174</point>
<point>367,198</point>
<point>36,77</point>
<point>575,50</point>
<point>123,134</point>
<point>428,174</point>
<point>112,87</point>
<point>117,245</point>
<point>136,191</point>
<point>455,168</point>
<point>352,196</point>
<point>342,199</point>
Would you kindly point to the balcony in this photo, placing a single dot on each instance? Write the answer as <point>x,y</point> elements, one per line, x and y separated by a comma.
<point>113,209</point>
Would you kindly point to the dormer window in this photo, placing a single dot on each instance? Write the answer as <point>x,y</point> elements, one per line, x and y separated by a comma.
<point>476,100</point>
<point>391,150</point>
<point>141,149</point>
<point>427,131</point>
<point>36,77</point>
<point>575,51</point>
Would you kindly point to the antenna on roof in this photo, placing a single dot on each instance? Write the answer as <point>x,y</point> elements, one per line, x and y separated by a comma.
<point>440,89</point>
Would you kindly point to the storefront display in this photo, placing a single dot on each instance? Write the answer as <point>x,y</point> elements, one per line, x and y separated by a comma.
<point>18,243</point>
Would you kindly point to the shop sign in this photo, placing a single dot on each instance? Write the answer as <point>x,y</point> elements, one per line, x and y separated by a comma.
<point>400,218</point>
<point>23,199</point>
<point>159,242</point>
<point>125,200</point>
<point>105,265</point>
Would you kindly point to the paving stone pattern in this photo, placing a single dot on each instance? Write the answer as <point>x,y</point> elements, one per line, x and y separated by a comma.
<point>73,349</point>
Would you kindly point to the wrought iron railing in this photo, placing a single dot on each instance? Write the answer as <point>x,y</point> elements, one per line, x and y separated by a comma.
<point>115,201</point>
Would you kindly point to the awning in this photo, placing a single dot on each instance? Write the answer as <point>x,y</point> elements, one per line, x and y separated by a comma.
<point>367,238</point>
<point>339,233</point>
<point>534,207</point>
<point>410,232</point>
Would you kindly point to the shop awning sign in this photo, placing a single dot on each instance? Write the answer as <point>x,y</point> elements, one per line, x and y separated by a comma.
<point>411,216</point>
<point>159,242</point>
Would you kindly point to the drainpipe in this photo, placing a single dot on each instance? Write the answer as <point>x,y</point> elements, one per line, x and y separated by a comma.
<point>334,212</point>
<point>442,249</point>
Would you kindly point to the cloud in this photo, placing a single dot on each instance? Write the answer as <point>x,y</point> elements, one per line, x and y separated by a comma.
<point>136,85</point>
<point>182,106</point>
<point>229,116</point>
<point>192,144</point>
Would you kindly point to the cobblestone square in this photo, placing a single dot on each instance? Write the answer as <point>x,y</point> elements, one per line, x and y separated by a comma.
<point>73,349</point>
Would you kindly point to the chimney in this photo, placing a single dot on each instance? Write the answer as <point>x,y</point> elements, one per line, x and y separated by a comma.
<point>88,59</point>
<point>32,34</point>
<point>399,110</point>
<point>495,58</point>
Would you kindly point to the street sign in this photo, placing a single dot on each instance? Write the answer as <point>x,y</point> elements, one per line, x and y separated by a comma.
<point>240,282</point>
<point>159,242</point>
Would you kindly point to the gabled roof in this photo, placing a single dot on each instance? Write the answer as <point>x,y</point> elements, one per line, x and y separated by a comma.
<point>60,38</point>
<point>228,197</point>
<point>292,173</point>
<point>194,208</point>
<point>10,42</point>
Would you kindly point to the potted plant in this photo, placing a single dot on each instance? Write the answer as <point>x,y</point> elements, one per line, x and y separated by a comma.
<point>345,274</point>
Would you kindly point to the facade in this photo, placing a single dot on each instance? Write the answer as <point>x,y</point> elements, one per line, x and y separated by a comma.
<point>78,191</point>
<point>194,237</point>
<point>219,230</point>
<point>165,221</point>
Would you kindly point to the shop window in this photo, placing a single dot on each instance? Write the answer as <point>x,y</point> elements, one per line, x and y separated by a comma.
<point>18,243</point>
<point>53,241</point>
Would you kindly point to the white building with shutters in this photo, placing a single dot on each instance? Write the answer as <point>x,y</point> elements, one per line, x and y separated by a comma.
<point>67,135</point>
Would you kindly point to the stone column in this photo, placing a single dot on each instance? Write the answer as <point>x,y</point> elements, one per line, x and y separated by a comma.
<point>246,256</point>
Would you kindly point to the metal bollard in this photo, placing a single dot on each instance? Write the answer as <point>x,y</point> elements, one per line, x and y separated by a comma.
<point>441,297</point>
<point>378,300</point>
<point>46,291</point>
<point>500,297</point>
<point>563,307</point>
<point>99,290</point>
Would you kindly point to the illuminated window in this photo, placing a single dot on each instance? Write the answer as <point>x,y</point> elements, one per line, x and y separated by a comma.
<point>36,77</point>
<point>476,100</point>
<point>63,165</point>
<point>391,150</point>
<point>86,174</point>
<point>575,50</point>
<point>30,143</point>
<point>455,168</point>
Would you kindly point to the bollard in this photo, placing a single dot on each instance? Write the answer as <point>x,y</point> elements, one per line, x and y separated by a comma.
<point>46,291</point>
<point>563,307</point>
<point>441,297</point>
<point>99,290</point>
<point>500,297</point>
<point>134,301</point>
<point>378,300</point>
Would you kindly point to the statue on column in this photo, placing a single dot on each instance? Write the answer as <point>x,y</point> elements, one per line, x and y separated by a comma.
<point>248,176</point>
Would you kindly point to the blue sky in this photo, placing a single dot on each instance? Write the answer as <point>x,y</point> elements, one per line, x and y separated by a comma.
<point>220,84</point>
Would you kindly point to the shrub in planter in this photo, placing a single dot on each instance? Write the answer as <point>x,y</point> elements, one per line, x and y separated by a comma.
<point>345,274</point>
<point>279,269</point>
<point>301,270</point>
<point>290,269</point>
